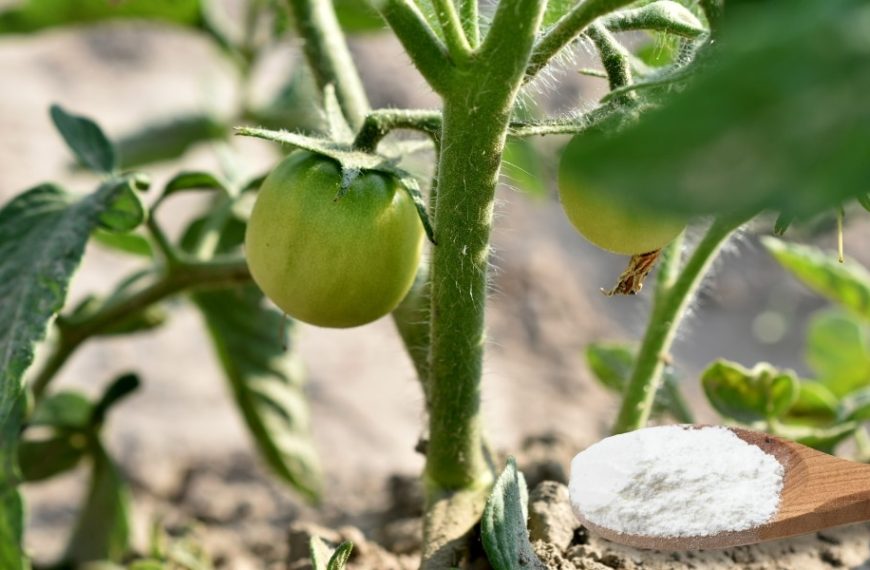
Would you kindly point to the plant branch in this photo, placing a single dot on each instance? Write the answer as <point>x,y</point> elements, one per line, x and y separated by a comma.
<point>186,275</point>
<point>329,57</point>
<point>379,123</point>
<point>428,53</point>
<point>470,23</point>
<point>615,60</point>
<point>567,29</point>
<point>451,25</point>
<point>667,313</point>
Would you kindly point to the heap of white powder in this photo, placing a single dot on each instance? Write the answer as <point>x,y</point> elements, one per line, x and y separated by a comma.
<point>675,481</point>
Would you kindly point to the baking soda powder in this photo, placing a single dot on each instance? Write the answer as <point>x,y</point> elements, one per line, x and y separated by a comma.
<point>675,481</point>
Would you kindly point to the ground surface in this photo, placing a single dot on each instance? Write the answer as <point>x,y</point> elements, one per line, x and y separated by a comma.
<point>183,444</point>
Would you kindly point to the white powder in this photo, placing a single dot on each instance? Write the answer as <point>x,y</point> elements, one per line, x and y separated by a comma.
<point>675,481</point>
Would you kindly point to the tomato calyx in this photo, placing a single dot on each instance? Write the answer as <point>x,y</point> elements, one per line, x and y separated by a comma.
<point>352,162</point>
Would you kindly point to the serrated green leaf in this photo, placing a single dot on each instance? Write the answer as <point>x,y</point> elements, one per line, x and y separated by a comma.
<point>845,283</point>
<point>125,212</point>
<point>838,352</point>
<point>749,396</point>
<point>45,458</point>
<point>521,166</point>
<point>780,120</point>
<point>43,233</point>
<point>32,15</point>
<point>102,531</point>
<point>132,243</point>
<point>503,525</point>
<point>86,140</point>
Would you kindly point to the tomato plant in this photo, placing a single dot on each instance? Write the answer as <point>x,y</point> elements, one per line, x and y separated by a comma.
<point>717,133</point>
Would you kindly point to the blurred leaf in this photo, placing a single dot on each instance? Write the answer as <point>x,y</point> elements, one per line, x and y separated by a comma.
<point>503,525</point>
<point>168,140</point>
<point>65,409</point>
<point>865,201</point>
<point>824,439</point>
<point>856,406</point>
<point>119,389</point>
<point>102,531</point>
<point>815,405</point>
<point>749,396</point>
<point>357,16</point>
<point>33,15</point>
<point>845,283</point>
<point>612,364</point>
<point>146,319</point>
<point>521,165</point>
<point>320,553</point>
<point>337,127</point>
<point>45,458</point>
<point>125,212</point>
<point>660,51</point>
<point>132,243</point>
<point>86,140</point>
<point>266,381</point>
<point>838,352</point>
<point>779,120</point>
<point>194,180</point>
<point>555,10</point>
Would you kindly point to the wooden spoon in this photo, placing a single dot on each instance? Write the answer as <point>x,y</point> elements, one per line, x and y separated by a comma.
<point>819,491</point>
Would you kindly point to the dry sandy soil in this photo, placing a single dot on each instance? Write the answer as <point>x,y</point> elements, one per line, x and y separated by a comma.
<point>181,441</point>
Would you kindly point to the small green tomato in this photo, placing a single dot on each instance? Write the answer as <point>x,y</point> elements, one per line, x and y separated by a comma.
<point>333,263</point>
<point>610,222</point>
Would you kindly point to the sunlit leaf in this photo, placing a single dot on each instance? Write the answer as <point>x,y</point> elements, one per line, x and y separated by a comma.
<point>838,352</point>
<point>749,396</point>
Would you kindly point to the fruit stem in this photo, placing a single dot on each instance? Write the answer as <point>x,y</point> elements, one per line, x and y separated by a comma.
<point>329,57</point>
<point>667,313</point>
<point>379,123</point>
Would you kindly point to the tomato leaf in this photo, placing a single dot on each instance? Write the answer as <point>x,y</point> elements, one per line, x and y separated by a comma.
<point>521,165</point>
<point>32,15</point>
<point>43,233</point>
<point>503,528</point>
<point>749,396</point>
<point>339,558</point>
<point>845,283</point>
<point>45,458</point>
<point>824,439</point>
<point>126,211</point>
<point>102,531</point>
<point>838,352</point>
<point>194,180</point>
<point>131,243</point>
<point>169,139</point>
<point>815,405</point>
<point>86,139</point>
<point>67,410</point>
<point>777,120</point>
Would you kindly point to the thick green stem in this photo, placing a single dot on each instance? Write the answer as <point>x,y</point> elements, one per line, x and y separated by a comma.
<point>329,57</point>
<point>185,276</point>
<point>567,29</point>
<point>667,313</point>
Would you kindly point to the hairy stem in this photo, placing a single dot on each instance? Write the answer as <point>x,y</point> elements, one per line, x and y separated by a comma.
<point>328,56</point>
<point>186,275</point>
<point>471,25</point>
<point>615,60</point>
<point>567,29</point>
<point>667,313</point>
<point>378,124</point>
<point>451,25</point>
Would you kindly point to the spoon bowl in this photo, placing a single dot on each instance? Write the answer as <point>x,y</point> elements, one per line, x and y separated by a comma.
<point>819,491</point>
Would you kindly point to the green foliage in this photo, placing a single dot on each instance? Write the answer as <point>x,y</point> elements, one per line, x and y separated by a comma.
<point>33,15</point>
<point>324,558</point>
<point>611,364</point>
<point>847,284</point>
<point>169,139</point>
<point>749,396</point>
<point>503,525</point>
<point>129,243</point>
<point>838,352</point>
<point>523,166</point>
<point>86,140</point>
<point>777,122</point>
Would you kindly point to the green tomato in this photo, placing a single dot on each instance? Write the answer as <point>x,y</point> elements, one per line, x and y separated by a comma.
<point>333,263</point>
<point>609,222</point>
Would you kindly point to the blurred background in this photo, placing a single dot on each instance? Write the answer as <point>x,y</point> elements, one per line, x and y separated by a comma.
<point>165,89</point>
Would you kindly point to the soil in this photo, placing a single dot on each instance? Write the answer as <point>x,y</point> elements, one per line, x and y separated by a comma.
<point>181,442</point>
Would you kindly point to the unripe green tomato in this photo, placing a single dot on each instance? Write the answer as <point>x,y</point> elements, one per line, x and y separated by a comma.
<point>611,222</point>
<point>333,263</point>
